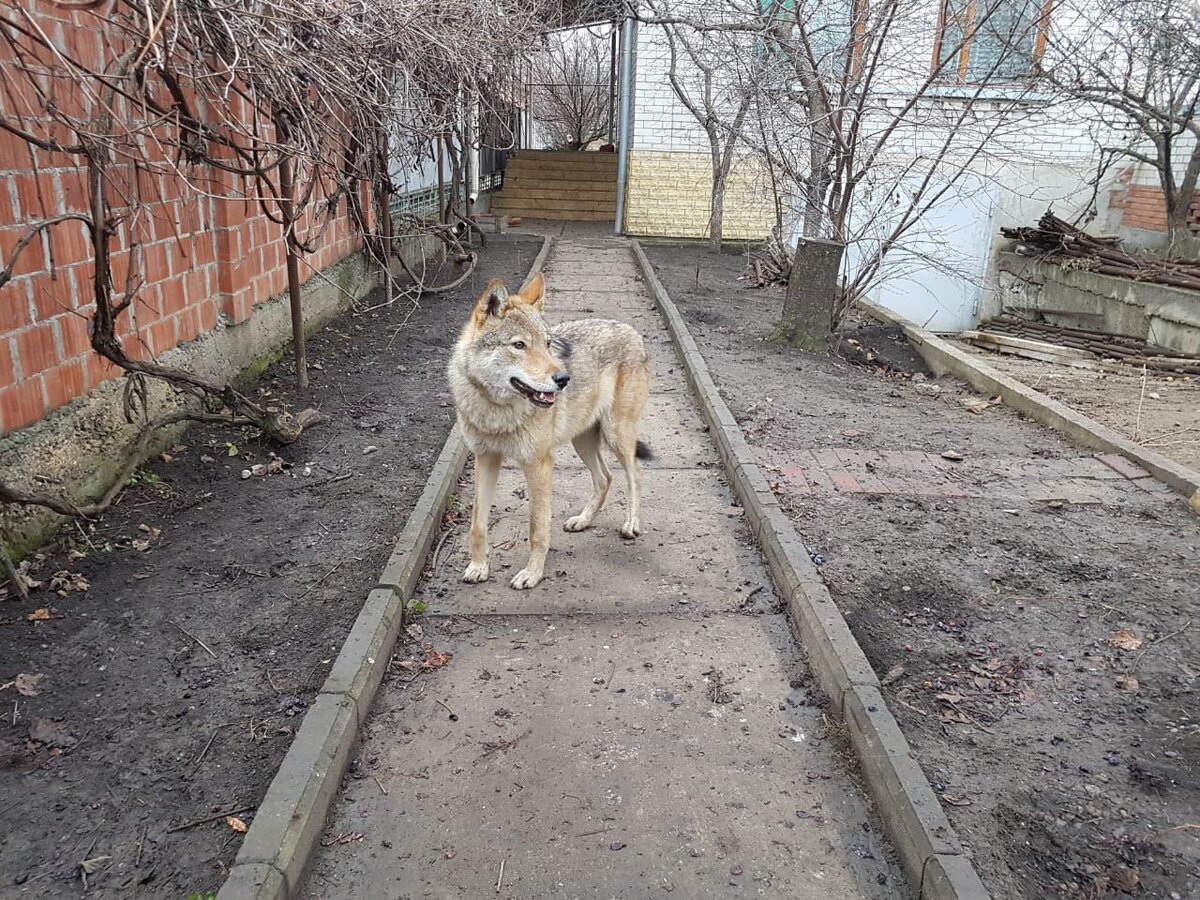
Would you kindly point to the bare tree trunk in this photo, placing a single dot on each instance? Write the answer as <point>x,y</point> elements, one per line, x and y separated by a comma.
<point>722,163</point>
<point>1179,206</point>
<point>716,214</point>
<point>811,294</point>
<point>287,205</point>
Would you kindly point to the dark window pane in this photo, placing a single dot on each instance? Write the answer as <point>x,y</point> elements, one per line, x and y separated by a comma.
<point>1003,42</point>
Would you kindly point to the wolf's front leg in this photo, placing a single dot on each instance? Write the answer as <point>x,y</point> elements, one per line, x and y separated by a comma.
<point>487,472</point>
<point>539,476</point>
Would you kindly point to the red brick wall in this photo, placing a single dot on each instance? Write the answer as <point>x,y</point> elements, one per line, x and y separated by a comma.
<point>203,254</point>
<point>1145,208</point>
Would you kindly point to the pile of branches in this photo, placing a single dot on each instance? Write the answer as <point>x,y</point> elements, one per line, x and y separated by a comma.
<point>769,265</point>
<point>1061,242</point>
<point>1122,348</point>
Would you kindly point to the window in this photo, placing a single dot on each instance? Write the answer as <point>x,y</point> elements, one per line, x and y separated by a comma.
<point>832,28</point>
<point>981,41</point>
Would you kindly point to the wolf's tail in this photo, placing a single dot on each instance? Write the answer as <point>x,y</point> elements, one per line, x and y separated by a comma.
<point>643,451</point>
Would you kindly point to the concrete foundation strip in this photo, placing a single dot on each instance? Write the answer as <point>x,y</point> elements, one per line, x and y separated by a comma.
<point>929,851</point>
<point>943,358</point>
<point>291,817</point>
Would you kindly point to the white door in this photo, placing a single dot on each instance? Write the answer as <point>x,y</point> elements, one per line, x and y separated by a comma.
<point>934,275</point>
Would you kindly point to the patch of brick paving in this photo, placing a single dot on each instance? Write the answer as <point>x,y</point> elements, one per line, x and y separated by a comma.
<point>1097,479</point>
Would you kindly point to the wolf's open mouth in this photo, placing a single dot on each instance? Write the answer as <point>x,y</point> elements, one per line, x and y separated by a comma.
<point>543,399</point>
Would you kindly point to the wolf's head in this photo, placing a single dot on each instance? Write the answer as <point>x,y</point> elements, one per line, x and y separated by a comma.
<point>507,345</point>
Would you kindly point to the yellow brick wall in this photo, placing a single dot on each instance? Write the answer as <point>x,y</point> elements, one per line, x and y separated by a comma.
<point>669,195</point>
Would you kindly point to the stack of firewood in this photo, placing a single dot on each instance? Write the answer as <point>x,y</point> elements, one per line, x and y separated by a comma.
<point>1061,242</point>
<point>771,264</point>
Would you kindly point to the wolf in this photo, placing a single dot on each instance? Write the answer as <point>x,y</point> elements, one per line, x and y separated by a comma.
<point>522,388</point>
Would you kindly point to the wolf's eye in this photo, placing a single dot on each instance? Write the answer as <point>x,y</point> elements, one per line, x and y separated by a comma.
<point>518,345</point>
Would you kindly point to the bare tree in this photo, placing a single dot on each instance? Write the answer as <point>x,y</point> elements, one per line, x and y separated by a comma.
<point>702,78</point>
<point>1142,60</point>
<point>284,104</point>
<point>855,124</point>
<point>571,95</point>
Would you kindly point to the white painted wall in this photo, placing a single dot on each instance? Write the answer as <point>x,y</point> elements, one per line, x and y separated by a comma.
<point>1041,156</point>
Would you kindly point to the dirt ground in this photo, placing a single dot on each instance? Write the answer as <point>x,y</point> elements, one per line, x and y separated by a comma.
<point>1161,412</point>
<point>1042,657</point>
<point>165,694</point>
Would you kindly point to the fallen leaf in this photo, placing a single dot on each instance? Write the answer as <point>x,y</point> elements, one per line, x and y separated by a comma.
<point>952,800</point>
<point>25,578</point>
<point>65,582</point>
<point>950,698</point>
<point>1128,685</point>
<point>435,660</point>
<point>41,615</point>
<point>976,405</point>
<point>236,824</point>
<point>952,454</point>
<point>415,631</point>
<point>29,685</point>
<point>1125,639</point>
<point>852,432</point>
<point>894,674</point>
<point>734,511</point>
<point>94,865</point>
<point>953,715</point>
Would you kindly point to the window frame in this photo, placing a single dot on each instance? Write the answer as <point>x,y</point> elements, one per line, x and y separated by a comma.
<point>959,73</point>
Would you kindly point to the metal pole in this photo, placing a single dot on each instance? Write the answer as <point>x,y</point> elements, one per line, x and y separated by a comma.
<point>612,84</point>
<point>625,138</point>
<point>473,141</point>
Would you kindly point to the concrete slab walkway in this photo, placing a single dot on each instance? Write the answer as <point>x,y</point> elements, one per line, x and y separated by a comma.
<point>641,725</point>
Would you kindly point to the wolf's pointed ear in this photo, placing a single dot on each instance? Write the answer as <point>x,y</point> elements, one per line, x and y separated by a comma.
<point>493,301</point>
<point>535,292</point>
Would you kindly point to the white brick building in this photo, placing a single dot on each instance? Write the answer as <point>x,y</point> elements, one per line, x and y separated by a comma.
<point>1042,154</point>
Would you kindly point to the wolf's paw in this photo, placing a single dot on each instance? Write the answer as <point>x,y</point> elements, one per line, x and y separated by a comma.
<point>476,572</point>
<point>526,578</point>
<point>577,523</point>
<point>631,529</point>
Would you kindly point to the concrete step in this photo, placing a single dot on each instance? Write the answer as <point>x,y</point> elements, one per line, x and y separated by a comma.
<point>560,215</point>
<point>559,184</point>
<point>539,165</point>
<point>562,155</point>
<point>542,208</point>
<point>523,191</point>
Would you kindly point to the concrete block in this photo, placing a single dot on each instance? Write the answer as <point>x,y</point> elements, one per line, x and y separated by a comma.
<point>291,817</point>
<point>951,878</point>
<point>916,822</point>
<point>364,656</point>
<point>256,881</point>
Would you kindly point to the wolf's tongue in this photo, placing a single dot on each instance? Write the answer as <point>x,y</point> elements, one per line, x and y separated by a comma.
<point>544,397</point>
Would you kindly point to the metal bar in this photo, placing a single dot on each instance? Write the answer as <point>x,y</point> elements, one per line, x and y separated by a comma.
<point>612,83</point>
<point>625,138</point>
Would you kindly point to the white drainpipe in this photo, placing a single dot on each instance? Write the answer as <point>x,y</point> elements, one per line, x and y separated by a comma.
<point>473,144</point>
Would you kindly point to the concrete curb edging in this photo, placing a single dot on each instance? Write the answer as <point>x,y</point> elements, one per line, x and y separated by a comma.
<point>943,358</point>
<point>291,816</point>
<point>930,852</point>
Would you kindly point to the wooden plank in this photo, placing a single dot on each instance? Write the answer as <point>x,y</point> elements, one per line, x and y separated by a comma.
<point>1039,350</point>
